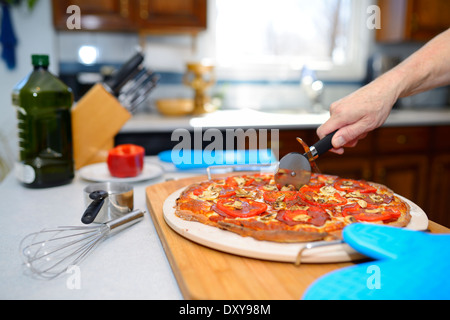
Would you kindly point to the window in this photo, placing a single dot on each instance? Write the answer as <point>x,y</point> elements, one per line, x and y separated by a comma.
<point>268,39</point>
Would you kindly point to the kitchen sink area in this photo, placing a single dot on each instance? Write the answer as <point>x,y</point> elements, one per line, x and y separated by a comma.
<point>242,118</point>
<point>285,119</point>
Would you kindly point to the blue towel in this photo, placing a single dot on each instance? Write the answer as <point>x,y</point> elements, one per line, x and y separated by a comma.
<point>8,38</point>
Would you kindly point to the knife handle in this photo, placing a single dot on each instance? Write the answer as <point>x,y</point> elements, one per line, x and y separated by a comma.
<point>323,145</point>
<point>128,70</point>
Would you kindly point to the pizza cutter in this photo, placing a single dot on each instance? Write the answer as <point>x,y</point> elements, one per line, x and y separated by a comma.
<point>295,168</point>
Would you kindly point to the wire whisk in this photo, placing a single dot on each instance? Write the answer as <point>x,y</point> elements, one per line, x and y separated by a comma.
<point>51,252</point>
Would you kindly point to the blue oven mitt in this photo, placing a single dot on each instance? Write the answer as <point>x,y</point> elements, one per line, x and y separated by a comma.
<point>408,265</point>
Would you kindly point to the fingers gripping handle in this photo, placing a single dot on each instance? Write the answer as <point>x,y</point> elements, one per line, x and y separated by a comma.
<point>324,145</point>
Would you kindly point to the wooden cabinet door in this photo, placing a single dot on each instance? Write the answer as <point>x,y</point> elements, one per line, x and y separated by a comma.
<point>104,15</point>
<point>439,190</point>
<point>402,140</point>
<point>406,175</point>
<point>412,20</point>
<point>288,140</point>
<point>427,19</point>
<point>172,15</point>
<point>159,16</point>
<point>345,167</point>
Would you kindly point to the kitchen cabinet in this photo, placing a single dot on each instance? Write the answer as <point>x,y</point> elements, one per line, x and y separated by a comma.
<point>143,16</point>
<point>402,161</point>
<point>412,20</point>
<point>439,186</point>
<point>406,175</point>
<point>439,189</point>
<point>103,15</point>
<point>173,15</point>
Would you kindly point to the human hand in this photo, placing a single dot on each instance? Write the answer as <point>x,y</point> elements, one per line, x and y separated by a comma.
<point>357,114</point>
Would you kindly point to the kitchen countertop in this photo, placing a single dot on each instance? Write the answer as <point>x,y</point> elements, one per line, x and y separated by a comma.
<point>130,265</point>
<point>281,119</point>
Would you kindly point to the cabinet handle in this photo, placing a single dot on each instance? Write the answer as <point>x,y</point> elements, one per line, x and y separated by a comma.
<point>143,9</point>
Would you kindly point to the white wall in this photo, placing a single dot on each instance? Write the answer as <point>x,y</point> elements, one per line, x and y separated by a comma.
<point>35,34</point>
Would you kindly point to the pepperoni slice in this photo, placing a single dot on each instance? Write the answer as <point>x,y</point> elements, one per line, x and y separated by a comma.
<point>313,196</point>
<point>313,215</point>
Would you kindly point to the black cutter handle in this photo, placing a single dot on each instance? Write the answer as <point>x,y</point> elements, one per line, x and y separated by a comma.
<point>324,144</point>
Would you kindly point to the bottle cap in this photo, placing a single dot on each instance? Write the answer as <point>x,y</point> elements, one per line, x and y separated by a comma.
<point>40,60</point>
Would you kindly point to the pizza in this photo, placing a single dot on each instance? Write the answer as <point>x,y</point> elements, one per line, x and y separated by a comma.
<point>253,205</point>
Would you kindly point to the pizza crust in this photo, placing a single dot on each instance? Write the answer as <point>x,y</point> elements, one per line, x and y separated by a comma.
<point>273,235</point>
<point>404,219</point>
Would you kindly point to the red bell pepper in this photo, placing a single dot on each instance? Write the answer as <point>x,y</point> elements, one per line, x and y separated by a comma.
<point>126,160</point>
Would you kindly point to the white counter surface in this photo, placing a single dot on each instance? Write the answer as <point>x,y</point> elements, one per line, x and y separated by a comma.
<point>130,265</point>
<point>284,119</point>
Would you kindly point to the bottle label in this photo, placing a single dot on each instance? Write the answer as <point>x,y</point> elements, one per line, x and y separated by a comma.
<point>24,173</point>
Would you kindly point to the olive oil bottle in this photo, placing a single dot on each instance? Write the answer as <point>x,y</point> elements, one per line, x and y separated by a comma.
<point>43,104</point>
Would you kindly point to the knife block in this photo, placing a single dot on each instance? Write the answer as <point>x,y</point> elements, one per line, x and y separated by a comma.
<point>96,119</point>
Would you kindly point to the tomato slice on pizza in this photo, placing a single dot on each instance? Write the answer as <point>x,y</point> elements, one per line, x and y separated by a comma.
<point>349,185</point>
<point>274,196</point>
<point>370,213</point>
<point>240,207</point>
<point>227,192</point>
<point>198,191</point>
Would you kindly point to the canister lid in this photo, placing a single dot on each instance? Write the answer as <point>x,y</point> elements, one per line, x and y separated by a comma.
<point>40,60</point>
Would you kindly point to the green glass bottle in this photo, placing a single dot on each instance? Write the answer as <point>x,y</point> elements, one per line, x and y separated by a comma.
<point>43,104</point>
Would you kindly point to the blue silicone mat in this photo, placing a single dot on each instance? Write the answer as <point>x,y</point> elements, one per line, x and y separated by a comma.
<point>407,265</point>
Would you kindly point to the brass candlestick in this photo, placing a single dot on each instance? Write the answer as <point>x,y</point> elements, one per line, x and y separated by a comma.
<point>200,76</point>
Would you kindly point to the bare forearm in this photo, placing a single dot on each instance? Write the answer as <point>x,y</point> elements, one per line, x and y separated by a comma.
<point>426,69</point>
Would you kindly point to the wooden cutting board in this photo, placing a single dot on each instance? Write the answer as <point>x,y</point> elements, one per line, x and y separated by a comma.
<point>206,274</point>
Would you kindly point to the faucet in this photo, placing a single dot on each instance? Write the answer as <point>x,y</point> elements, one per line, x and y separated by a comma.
<point>313,89</point>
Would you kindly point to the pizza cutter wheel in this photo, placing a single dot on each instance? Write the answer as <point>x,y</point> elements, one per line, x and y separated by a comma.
<point>295,168</point>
